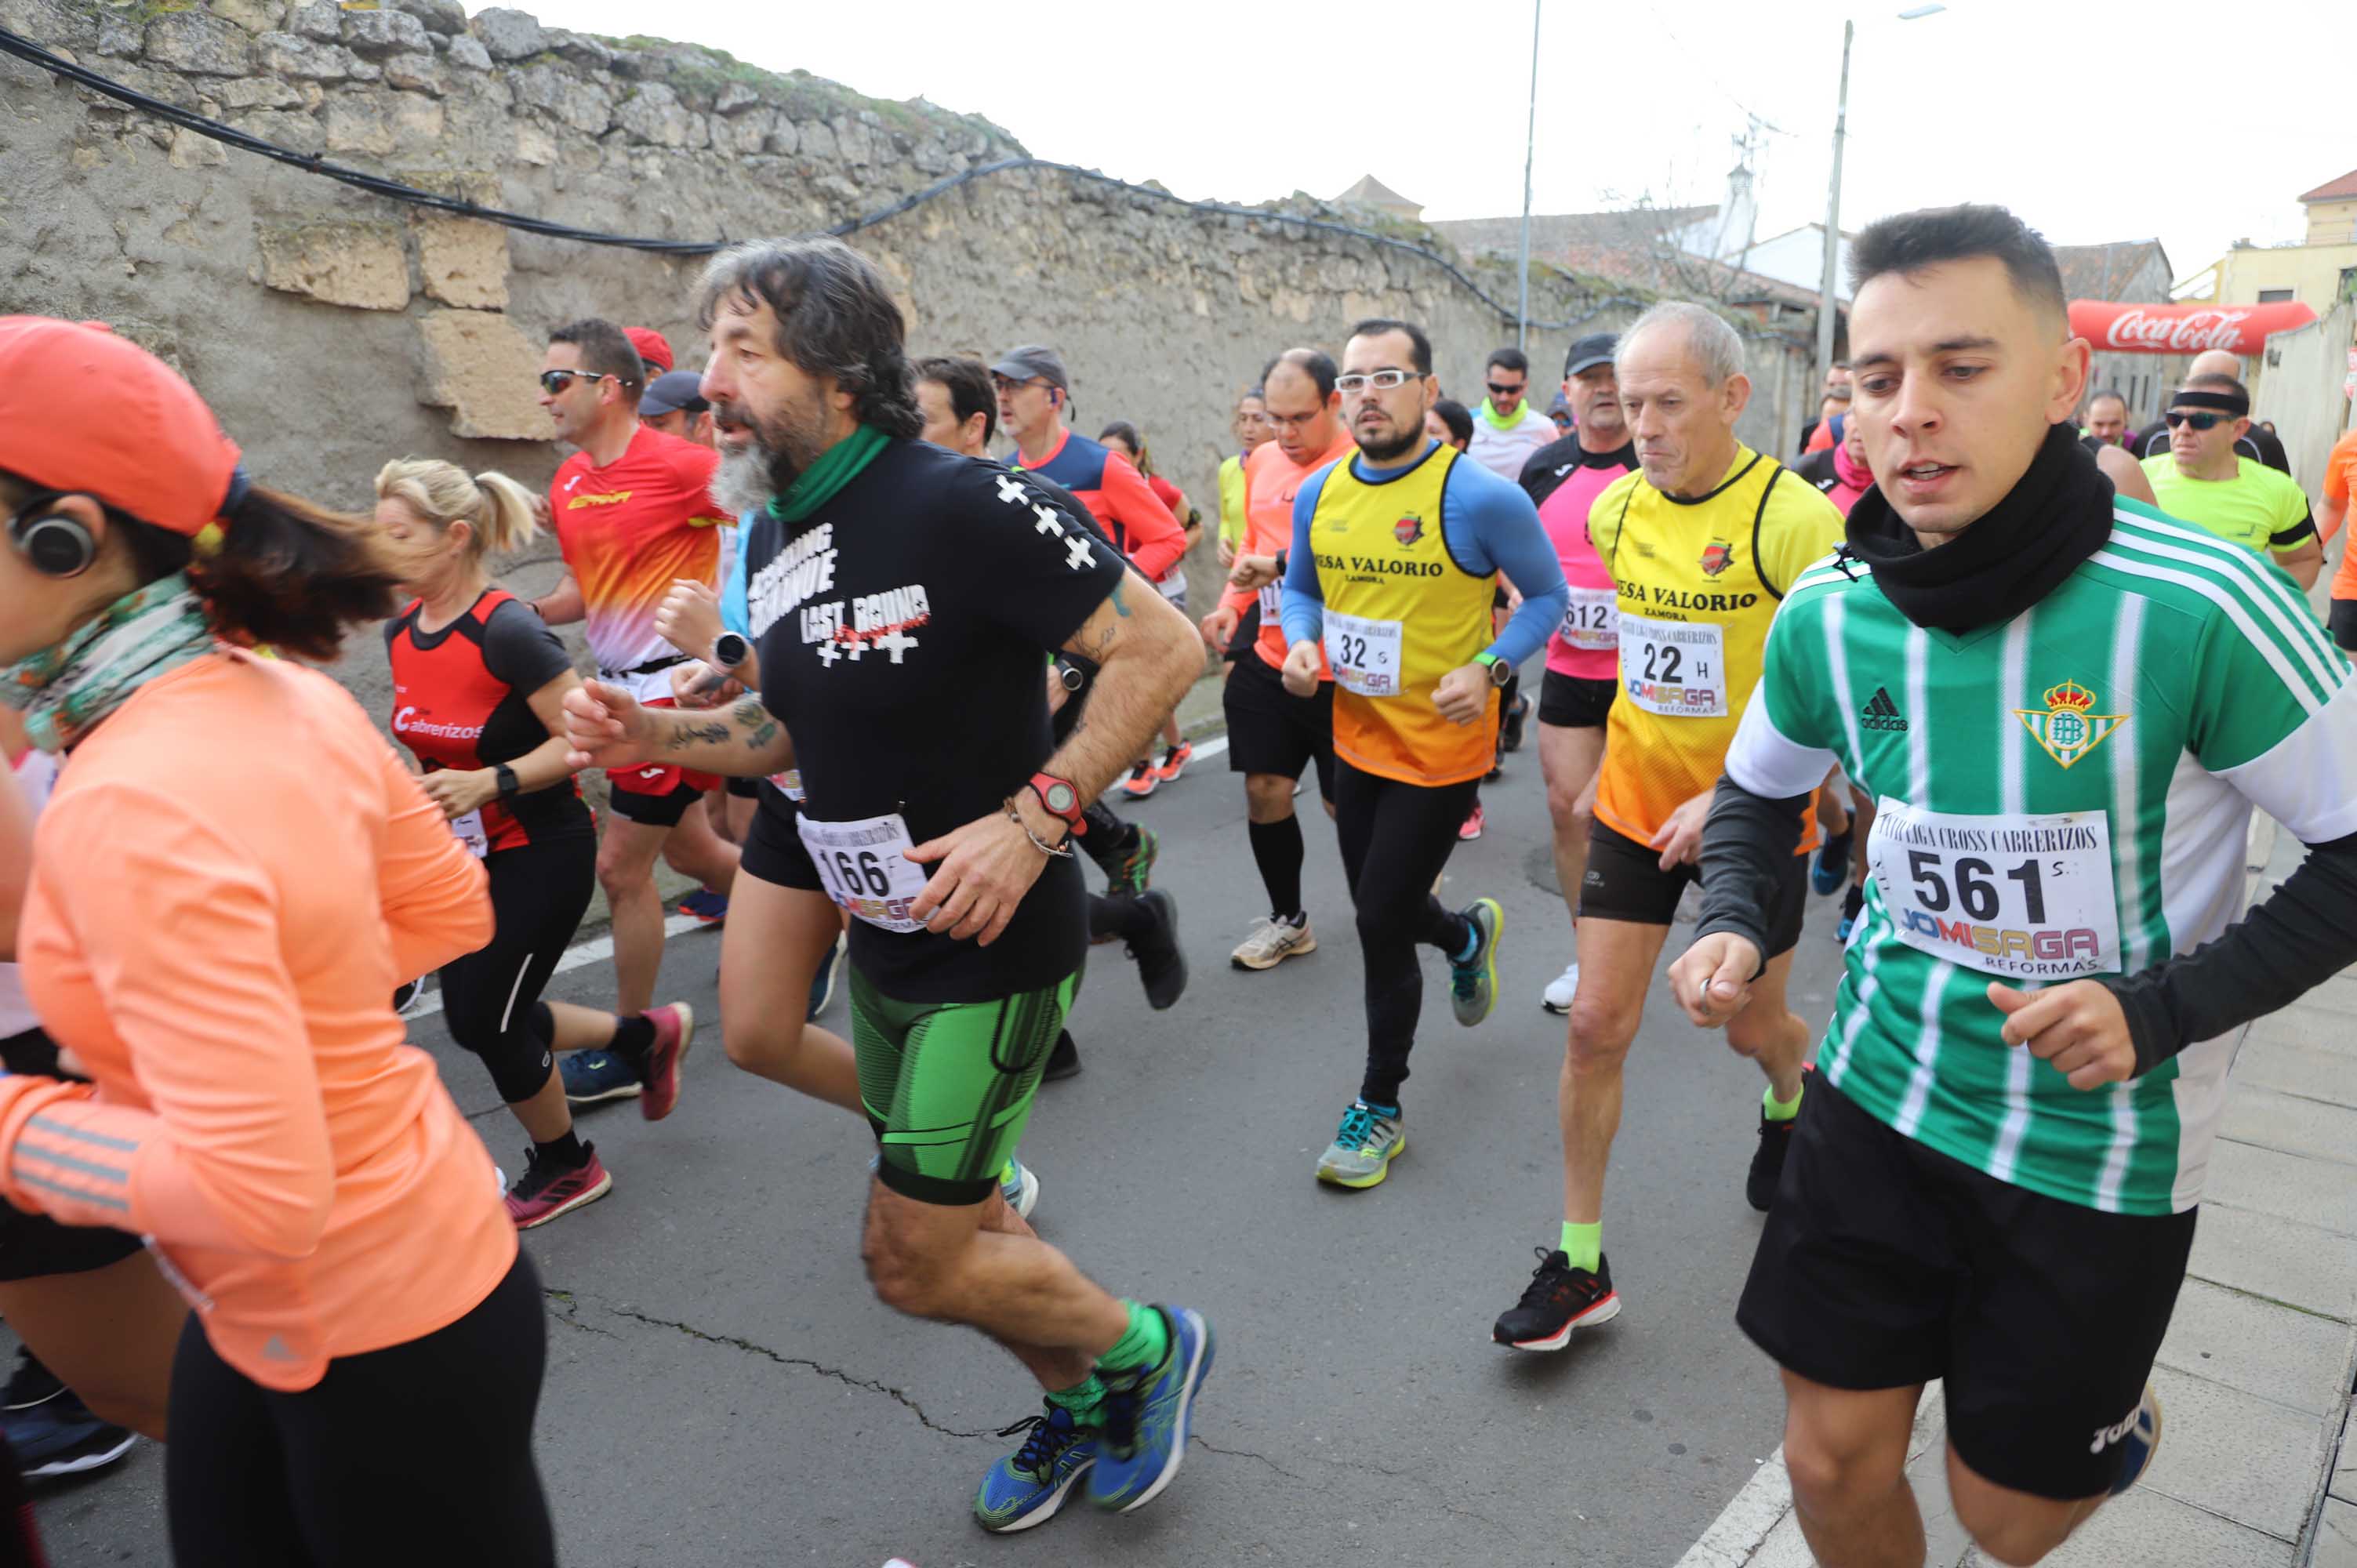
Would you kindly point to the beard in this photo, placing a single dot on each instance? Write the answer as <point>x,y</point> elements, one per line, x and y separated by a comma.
<point>784,445</point>
<point>1381,450</point>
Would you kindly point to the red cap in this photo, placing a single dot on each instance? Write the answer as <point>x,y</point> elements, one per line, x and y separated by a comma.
<point>652,345</point>
<point>81,409</point>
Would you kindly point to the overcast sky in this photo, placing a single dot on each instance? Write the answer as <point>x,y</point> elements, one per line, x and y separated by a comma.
<point>2196,123</point>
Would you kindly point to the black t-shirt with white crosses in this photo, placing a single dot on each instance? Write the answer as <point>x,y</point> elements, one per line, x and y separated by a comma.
<point>902,629</point>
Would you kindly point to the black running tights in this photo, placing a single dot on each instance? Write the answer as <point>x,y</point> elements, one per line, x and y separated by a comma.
<point>418,1454</point>
<point>539,893</point>
<point>1395,838</point>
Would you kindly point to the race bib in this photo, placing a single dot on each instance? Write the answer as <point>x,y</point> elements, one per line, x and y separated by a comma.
<point>1272,605</point>
<point>470,830</point>
<point>1592,622</point>
<point>864,868</point>
<point>789,782</point>
<point>1674,668</point>
<point>1364,654</point>
<point>2021,898</point>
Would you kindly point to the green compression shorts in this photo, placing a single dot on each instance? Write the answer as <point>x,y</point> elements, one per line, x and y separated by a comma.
<point>948,1085</point>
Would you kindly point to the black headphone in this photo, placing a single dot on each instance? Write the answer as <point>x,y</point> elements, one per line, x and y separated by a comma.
<point>57,545</point>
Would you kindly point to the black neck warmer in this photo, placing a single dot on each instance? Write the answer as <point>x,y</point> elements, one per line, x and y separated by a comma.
<point>2018,552</point>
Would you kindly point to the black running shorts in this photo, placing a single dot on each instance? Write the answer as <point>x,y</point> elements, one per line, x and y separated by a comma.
<point>2343,623</point>
<point>773,849</point>
<point>1625,882</point>
<point>1568,702</point>
<point>1270,730</point>
<point>1886,1263</point>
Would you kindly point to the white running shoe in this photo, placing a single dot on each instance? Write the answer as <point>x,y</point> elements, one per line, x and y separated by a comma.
<point>1272,942</point>
<point>1561,989</point>
<point>1019,1187</point>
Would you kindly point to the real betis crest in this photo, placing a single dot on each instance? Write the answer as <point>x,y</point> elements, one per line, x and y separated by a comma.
<point>2067,729</point>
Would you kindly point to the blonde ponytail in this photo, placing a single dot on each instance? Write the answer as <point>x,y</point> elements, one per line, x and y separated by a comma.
<point>496,507</point>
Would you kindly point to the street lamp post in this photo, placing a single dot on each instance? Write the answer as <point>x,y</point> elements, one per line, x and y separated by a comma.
<point>1826,309</point>
<point>1530,144</point>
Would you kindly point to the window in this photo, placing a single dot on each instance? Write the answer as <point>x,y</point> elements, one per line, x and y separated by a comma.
<point>2274,297</point>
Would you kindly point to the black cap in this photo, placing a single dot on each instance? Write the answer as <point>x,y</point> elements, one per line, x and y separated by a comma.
<point>1594,348</point>
<point>1033,361</point>
<point>670,391</point>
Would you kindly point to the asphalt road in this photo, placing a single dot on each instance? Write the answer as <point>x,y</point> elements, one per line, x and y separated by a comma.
<point>723,1391</point>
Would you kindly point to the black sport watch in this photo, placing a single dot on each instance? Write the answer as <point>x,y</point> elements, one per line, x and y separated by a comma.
<point>729,651</point>
<point>1500,671</point>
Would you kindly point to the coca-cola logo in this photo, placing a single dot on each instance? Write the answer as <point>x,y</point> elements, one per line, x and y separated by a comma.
<point>2193,331</point>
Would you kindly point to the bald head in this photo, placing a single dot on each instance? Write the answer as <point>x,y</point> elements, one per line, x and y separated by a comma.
<point>2216,362</point>
<point>1303,407</point>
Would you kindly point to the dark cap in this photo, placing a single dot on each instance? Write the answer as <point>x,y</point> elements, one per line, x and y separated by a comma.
<point>670,391</point>
<point>1594,348</point>
<point>1033,361</point>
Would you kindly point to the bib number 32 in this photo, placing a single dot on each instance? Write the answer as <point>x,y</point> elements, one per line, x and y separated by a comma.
<point>1364,654</point>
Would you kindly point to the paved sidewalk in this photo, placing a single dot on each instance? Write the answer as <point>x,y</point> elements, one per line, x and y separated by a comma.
<point>2258,1458</point>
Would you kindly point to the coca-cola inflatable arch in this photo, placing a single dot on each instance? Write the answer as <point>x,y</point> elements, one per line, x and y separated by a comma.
<point>2183,328</point>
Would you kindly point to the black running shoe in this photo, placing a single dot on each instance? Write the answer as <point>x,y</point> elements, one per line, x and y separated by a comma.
<point>1064,1060</point>
<point>1160,965</point>
<point>51,1431</point>
<point>1510,732</point>
<point>1768,1160</point>
<point>1558,1299</point>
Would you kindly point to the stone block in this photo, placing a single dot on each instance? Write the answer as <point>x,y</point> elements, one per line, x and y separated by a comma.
<point>253,16</point>
<point>580,104</point>
<point>288,55</point>
<point>376,33</point>
<point>49,24</point>
<point>2317,1192</point>
<point>301,133</point>
<point>447,18</point>
<point>816,139</point>
<point>478,365</point>
<point>734,97</point>
<point>2277,1352</point>
<point>583,50</point>
<point>2311,1071</point>
<point>361,264</point>
<point>201,44</point>
<point>2336,1535</point>
<point>357,124</point>
<point>259,92</point>
<point>467,54</point>
<point>413,72</point>
<point>119,38</point>
<point>652,113</point>
<point>417,120</point>
<point>783,139</point>
<point>2342,1483</point>
<point>534,145</point>
<point>2282,1260</point>
<point>193,149</point>
<point>2237,1456</point>
<point>2289,1123</point>
<point>464,261</point>
<point>322,21</point>
<point>2150,1531</point>
<point>508,34</point>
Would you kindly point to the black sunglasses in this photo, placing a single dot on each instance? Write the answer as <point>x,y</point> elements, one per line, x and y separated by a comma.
<point>1501,388</point>
<point>2199,421</point>
<point>554,382</point>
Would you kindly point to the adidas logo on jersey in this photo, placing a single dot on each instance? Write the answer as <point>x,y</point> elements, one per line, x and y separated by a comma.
<point>1881,713</point>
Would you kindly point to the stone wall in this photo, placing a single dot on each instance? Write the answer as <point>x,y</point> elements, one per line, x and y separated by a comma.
<point>333,329</point>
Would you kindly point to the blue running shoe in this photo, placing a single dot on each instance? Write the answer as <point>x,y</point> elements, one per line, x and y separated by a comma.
<point>1147,1417</point>
<point>592,1078</point>
<point>52,1432</point>
<point>706,905</point>
<point>1832,867</point>
<point>1853,904</point>
<point>823,983</point>
<point>1027,1487</point>
<point>2139,1438</point>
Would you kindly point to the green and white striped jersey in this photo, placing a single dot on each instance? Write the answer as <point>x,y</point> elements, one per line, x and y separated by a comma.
<point>2063,794</point>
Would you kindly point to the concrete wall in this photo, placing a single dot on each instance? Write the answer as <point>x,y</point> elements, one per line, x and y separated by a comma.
<point>334,328</point>
<point>2299,383</point>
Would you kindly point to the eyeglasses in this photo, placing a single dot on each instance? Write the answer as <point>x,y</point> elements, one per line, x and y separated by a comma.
<point>554,382</point>
<point>1382,380</point>
<point>1504,389</point>
<point>1009,383</point>
<point>2199,421</point>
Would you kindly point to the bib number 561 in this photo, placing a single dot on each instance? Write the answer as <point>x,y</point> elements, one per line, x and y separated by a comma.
<point>1975,893</point>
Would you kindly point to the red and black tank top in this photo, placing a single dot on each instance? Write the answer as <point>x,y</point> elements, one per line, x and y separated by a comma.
<point>461,698</point>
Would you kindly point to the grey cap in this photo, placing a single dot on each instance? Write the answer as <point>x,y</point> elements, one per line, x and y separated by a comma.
<point>670,391</point>
<point>1033,361</point>
<point>1595,349</point>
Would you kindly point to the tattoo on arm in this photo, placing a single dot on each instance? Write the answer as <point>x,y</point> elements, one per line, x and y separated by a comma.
<point>759,726</point>
<point>702,732</point>
<point>1118,607</point>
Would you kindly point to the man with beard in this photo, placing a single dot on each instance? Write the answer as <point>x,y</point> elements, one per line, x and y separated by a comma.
<point>633,513</point>
<point>1396,553</point>
<point>911,596</point>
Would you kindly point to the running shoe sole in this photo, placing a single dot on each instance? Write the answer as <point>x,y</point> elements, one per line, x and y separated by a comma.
<point>627,1089</point>
<point>1603,1312</point>
<point>1488,959</point>
<point>1361,1184</point>
<point>1307,945</point>
<point>1048,1509</point>
<point>579,1199</point>
<point>654,1106</point>
<point>2130,1477</point>
<point>78,1464</point>
<point>1196,1371</point>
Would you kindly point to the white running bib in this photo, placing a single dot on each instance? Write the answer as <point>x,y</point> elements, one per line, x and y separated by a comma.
<point>469,829</point>
<point>1674,668</point>
<point>864,868</point>
<point>1272,605</point>
<point>1364,654</point>
<point>2021,898</point>
<point>1592,621</point>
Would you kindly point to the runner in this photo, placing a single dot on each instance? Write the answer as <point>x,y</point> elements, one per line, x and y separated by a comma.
<point>2259,442</point>
<point>1250,427</point>
<point>478,684</point>
<point>1582,657</point>
<point>1995,1182</point>
<point>2202,479</point>
<point>1701,543</point>
<point>1450,422</point>
<point>1507,431</point>
<point>214,931</point>
<point>1121,439</point>
<point>943,588</point>
<point>2340,479</point>
<point>2107,420</point>
<point>1034,393</point>
<point>1397,552</point>
<point>633,513</point>
<point>1272,734</point>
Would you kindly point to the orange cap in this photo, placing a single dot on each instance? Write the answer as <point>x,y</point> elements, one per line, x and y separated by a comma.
<point>81,409</point>
<point>652,347</point>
